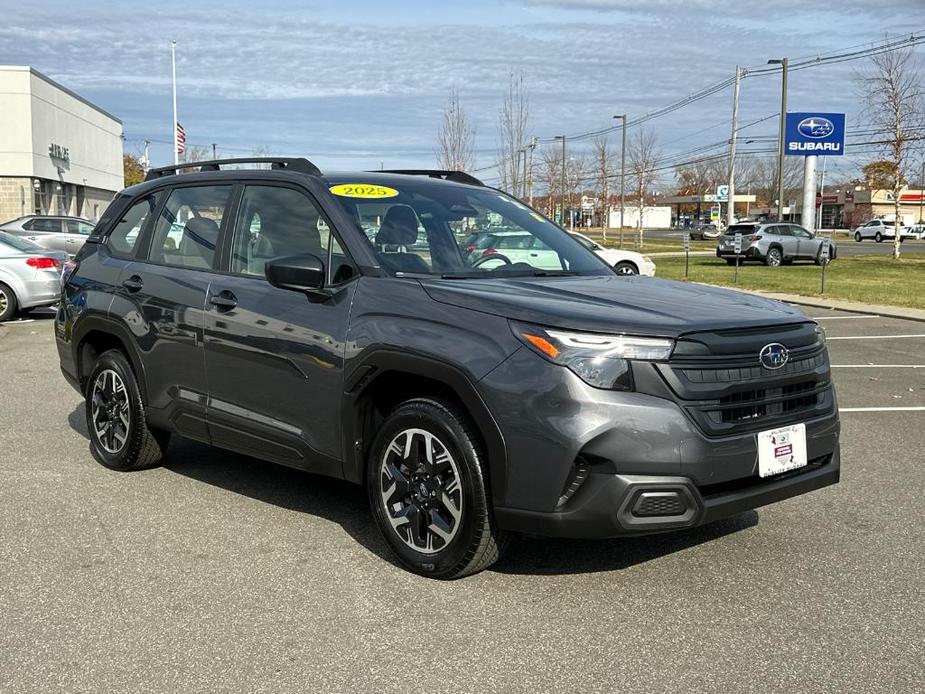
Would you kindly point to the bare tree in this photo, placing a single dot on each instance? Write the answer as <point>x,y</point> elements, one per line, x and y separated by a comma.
<point>550,177</point>
<point>892,90</point>
<point>576,176</point>
<point>456,137</point>
<point>602,173</point>
<point>513,120</point>
<point>642,154</point>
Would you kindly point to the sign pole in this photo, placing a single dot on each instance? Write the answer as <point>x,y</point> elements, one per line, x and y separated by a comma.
<point>687,253</point>
<point>808,216</point>
<point>173,82</point>
<point>824,254</point>
<point>738,251</point>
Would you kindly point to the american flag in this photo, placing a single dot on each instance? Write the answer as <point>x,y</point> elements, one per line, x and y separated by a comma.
<point>181,139</point>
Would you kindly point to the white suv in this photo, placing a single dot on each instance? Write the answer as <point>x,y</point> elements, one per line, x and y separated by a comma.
<point>879,229</point>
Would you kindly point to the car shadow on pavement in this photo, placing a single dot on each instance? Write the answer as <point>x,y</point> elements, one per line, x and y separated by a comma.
<point>545,556</point>
<point>345,504</point>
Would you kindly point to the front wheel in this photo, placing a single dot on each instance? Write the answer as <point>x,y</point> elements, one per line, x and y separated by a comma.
<point>857,236</point>
<point>428,491</point>
<point>624,267</point>
<point>119,434</point>
<point>774,258</point>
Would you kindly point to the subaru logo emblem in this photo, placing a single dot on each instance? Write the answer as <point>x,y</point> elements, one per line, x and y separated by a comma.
<point>815,127</point>
<point>774,355</point>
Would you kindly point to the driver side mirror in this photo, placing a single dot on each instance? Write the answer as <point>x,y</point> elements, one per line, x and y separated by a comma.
<point>301,273</point>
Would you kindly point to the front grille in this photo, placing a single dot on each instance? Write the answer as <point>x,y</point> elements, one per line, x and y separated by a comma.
<point>727,391</point>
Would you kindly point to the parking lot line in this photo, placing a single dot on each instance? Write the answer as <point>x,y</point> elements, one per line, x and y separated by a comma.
<point>882,409</point>
<point>872,315</point>
<point>872,337</point>
<point>878,366</point>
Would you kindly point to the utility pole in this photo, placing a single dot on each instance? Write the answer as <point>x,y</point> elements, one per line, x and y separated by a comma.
<point>530,170</point>
<point>622,172</point>
<point>147,164</point>
<point>730,206</point>
<point>783,62</point>
<point>173,69</point>
<point>213,151</point>
<point>562,180</point>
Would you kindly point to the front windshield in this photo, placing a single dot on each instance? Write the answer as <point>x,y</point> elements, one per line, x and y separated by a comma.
<point>426,227</point>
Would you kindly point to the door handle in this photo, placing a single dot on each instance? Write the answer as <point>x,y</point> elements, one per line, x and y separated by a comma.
<point>224,300</point>
<point>133,283</point>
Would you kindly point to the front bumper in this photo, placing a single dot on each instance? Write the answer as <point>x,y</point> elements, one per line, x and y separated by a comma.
<point>617,505</point>
<point>578,457</point>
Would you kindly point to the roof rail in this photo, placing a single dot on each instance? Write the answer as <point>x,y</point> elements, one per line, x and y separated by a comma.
<point>455,176</point>
<point>288,163</point>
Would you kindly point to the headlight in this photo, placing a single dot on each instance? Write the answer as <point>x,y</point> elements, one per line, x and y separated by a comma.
<point>820,334</point>
<point>600,360</point>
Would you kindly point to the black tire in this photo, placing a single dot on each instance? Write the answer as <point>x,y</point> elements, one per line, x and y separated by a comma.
<point>731,261</point>
<point>141,446</point>
<point>625,267</point>
<point>857,236</point>
<point>774,258</point>
<point>878,237</point>
<point>475,542</point>
<point>8,303</point>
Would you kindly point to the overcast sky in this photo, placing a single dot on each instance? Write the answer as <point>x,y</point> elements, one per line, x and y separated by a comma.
<point>355,84</point>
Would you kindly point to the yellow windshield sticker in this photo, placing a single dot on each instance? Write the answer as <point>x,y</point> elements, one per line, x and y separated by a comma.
<point>363,190</point>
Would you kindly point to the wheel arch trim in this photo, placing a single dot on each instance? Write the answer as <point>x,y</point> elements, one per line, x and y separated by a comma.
<point>380,361</point>
<point>104,324</point>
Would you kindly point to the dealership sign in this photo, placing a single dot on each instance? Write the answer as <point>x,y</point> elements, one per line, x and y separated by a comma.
<point>815,133</point>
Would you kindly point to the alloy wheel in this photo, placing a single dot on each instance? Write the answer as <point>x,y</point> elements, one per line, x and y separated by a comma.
<point>110,411</point>
<point>774,258</point>
<point>421,491</point>
<point>4,302</point>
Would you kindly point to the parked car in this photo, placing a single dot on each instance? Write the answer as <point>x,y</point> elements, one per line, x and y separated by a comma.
<point>919,232</point>
<point>879,229</point>
<point>54,233</point>
<point>706,231</point>
<point>30,275</point>
<point>624,262</point>
<point>774,244</point>
<point>473,400</point>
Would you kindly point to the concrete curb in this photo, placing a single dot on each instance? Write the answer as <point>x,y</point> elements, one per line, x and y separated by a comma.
<point>847,306</point>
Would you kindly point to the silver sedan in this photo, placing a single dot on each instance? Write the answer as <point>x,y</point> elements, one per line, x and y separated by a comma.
<point>54,233</point>
<point>30,276</point>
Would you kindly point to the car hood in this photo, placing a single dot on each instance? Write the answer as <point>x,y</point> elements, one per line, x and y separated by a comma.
<point>636,304</point>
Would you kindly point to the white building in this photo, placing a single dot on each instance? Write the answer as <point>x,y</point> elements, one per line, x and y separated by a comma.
<point>59,154</point>
<point>652,217</point>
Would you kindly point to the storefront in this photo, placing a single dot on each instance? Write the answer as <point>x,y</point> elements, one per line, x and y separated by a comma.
<point>59,153</point>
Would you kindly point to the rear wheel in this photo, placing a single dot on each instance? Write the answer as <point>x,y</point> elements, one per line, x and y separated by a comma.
<point>7,303</point>
<point>878,237</point>
<point>624,267</point>
<point>774,258</point>
<point>429,493</point>
<point>120,437</point>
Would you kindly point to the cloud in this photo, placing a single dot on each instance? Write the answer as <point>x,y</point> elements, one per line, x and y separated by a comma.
<point>368,86</point>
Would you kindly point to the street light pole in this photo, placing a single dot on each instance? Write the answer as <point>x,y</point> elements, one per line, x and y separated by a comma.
<point>622,172</point>
<point>530,170</point>
<point>783,62</point>
<point>730,205</point>
<point>562,181</point>
<point>922,193</point>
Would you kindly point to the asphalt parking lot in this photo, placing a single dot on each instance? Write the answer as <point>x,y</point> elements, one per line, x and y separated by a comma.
<point>220,573</point>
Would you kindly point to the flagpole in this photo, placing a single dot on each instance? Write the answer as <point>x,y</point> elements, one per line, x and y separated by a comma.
<point>173,67</point>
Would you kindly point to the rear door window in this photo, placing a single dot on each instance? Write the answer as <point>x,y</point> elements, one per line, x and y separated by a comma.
<point>53,225</point>
<point>187,229</point>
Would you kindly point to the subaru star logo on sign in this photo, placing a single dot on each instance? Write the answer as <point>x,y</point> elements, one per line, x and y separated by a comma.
<point>774,355</point>
<point>815,133</point>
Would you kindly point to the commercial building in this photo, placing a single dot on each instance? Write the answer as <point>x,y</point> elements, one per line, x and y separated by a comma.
<point>59,153</point>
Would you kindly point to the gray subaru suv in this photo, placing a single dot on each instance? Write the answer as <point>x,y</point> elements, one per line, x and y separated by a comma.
<point>774,244</point>
<point>473,397</point>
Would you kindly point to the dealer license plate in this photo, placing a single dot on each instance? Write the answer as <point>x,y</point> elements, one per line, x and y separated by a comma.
<point>781,450</point>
